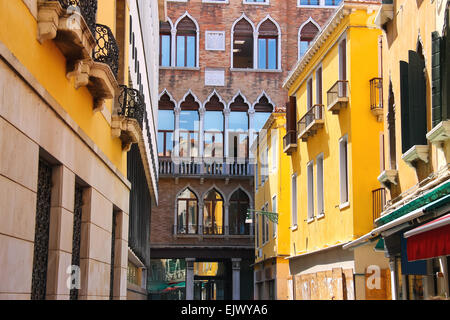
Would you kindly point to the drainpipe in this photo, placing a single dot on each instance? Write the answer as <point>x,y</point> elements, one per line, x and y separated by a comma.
<point>392,267</point>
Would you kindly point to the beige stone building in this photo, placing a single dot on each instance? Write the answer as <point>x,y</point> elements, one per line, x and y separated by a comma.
<point>77,170</point>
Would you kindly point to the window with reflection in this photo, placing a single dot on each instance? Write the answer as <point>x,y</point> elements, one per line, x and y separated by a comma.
<point>239,204</point>
<point>189,128</point>
<point>186,43</point>
<point>213,213</point>
<point>214,128</point>
<point>268,46</point>
<point>243,45</point>
<point>238,138</point>
<point>263,110</point>
<point>166,126</point>
<point>307,34</point>
<point>165,48</point>
<point>187,212</point>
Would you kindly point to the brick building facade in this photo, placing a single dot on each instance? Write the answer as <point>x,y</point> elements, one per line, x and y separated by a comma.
<point>222,64</point>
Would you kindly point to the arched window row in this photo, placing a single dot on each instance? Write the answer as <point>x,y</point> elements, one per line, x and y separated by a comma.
<point>212,129</point>
<point>252,47</point>
<point>211,213</point>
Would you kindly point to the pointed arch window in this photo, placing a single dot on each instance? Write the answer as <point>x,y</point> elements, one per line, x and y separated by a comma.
<point>187,212</point>
<point>238,129</point>
<point>239,204</point>
<point>186,43</point>
<point>214,128</point>
<point>165,48</point>
<point>166,126</point>
<point>306,36</point>
<point>268,46</point>
<point>243,45</point>
<point>213,213</point>
<point>189,128</point>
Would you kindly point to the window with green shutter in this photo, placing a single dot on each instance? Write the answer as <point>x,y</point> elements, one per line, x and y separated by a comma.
<point>436,79</point>
<point>413,100</point>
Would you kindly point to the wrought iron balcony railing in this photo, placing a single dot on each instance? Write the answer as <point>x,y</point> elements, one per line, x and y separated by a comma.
<point>290,142</point>
<point>131,104</point>
<point>106,49</point>
<point>338,96</point>
<point>376,98</point>
<point>376,93</point>
<point>311,121</point>
<point>87,9</point>
<point>378,202</point>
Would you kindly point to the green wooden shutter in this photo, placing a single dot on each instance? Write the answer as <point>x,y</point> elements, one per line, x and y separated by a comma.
<point>445,80</point>
<point>436,79</point>
<point>404,96</point>
<point>417,99</point>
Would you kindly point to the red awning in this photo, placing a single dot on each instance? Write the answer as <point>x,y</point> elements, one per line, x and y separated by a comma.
<point>429,240</point>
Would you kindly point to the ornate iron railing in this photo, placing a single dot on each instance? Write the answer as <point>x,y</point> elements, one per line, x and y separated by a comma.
<point>87,9</point>
<point>42,230</point>
<point>315,113</point>
<point>76,239</point>
<point>131,104</point>
<point>376,93</point>
<point>106,49</point>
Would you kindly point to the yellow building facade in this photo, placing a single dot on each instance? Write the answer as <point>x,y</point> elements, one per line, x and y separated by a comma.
<point>414,174</point>
<point>333,134</point>
<point>68,117</point>
<point>272,195</point>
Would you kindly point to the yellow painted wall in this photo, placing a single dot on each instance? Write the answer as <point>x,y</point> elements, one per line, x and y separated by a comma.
<point>275,185</point>
<point>339,225</point>
<point>413,20</point>
<point>47,64</point>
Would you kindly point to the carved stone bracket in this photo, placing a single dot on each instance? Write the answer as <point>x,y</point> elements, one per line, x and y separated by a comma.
<point>81,71</point>
<point>416,153</point>
<point>126,129</point>
<point>48,20</point>
<point>388,178</point>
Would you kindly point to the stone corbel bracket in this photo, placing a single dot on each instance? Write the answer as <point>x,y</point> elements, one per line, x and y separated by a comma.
<point>48,20</point>
<point>126,129</point>
<point>440,133</point>
<point>102,84</point>
<point>388,178</point>
<point>67,28</point>
<point>416,153</point>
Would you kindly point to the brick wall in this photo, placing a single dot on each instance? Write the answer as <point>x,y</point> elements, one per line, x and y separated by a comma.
<point>220,17</point>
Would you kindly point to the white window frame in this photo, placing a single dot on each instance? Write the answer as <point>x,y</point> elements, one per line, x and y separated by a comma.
<point>343,167</point>
<point>216,1</point>
<point>342,39</point>
<point>274,210</point>
<point>256,46</point>
<point>309,81</point>
<point>265,3</point>
<point>316,82</point>
<point>310,190</point>
<point>320,190</point>
<point>274,150</point>
<point>299,36</point>
<point>320,5</point>
<point>294,204</point>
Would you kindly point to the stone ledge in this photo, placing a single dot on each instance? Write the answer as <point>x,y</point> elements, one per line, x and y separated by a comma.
<point>416,153</point>
<point>440,133</point>
<point>388,177</point>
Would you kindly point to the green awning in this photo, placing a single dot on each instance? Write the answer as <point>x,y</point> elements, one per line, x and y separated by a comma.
<point>380,245</point>
<point>438,196</point>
